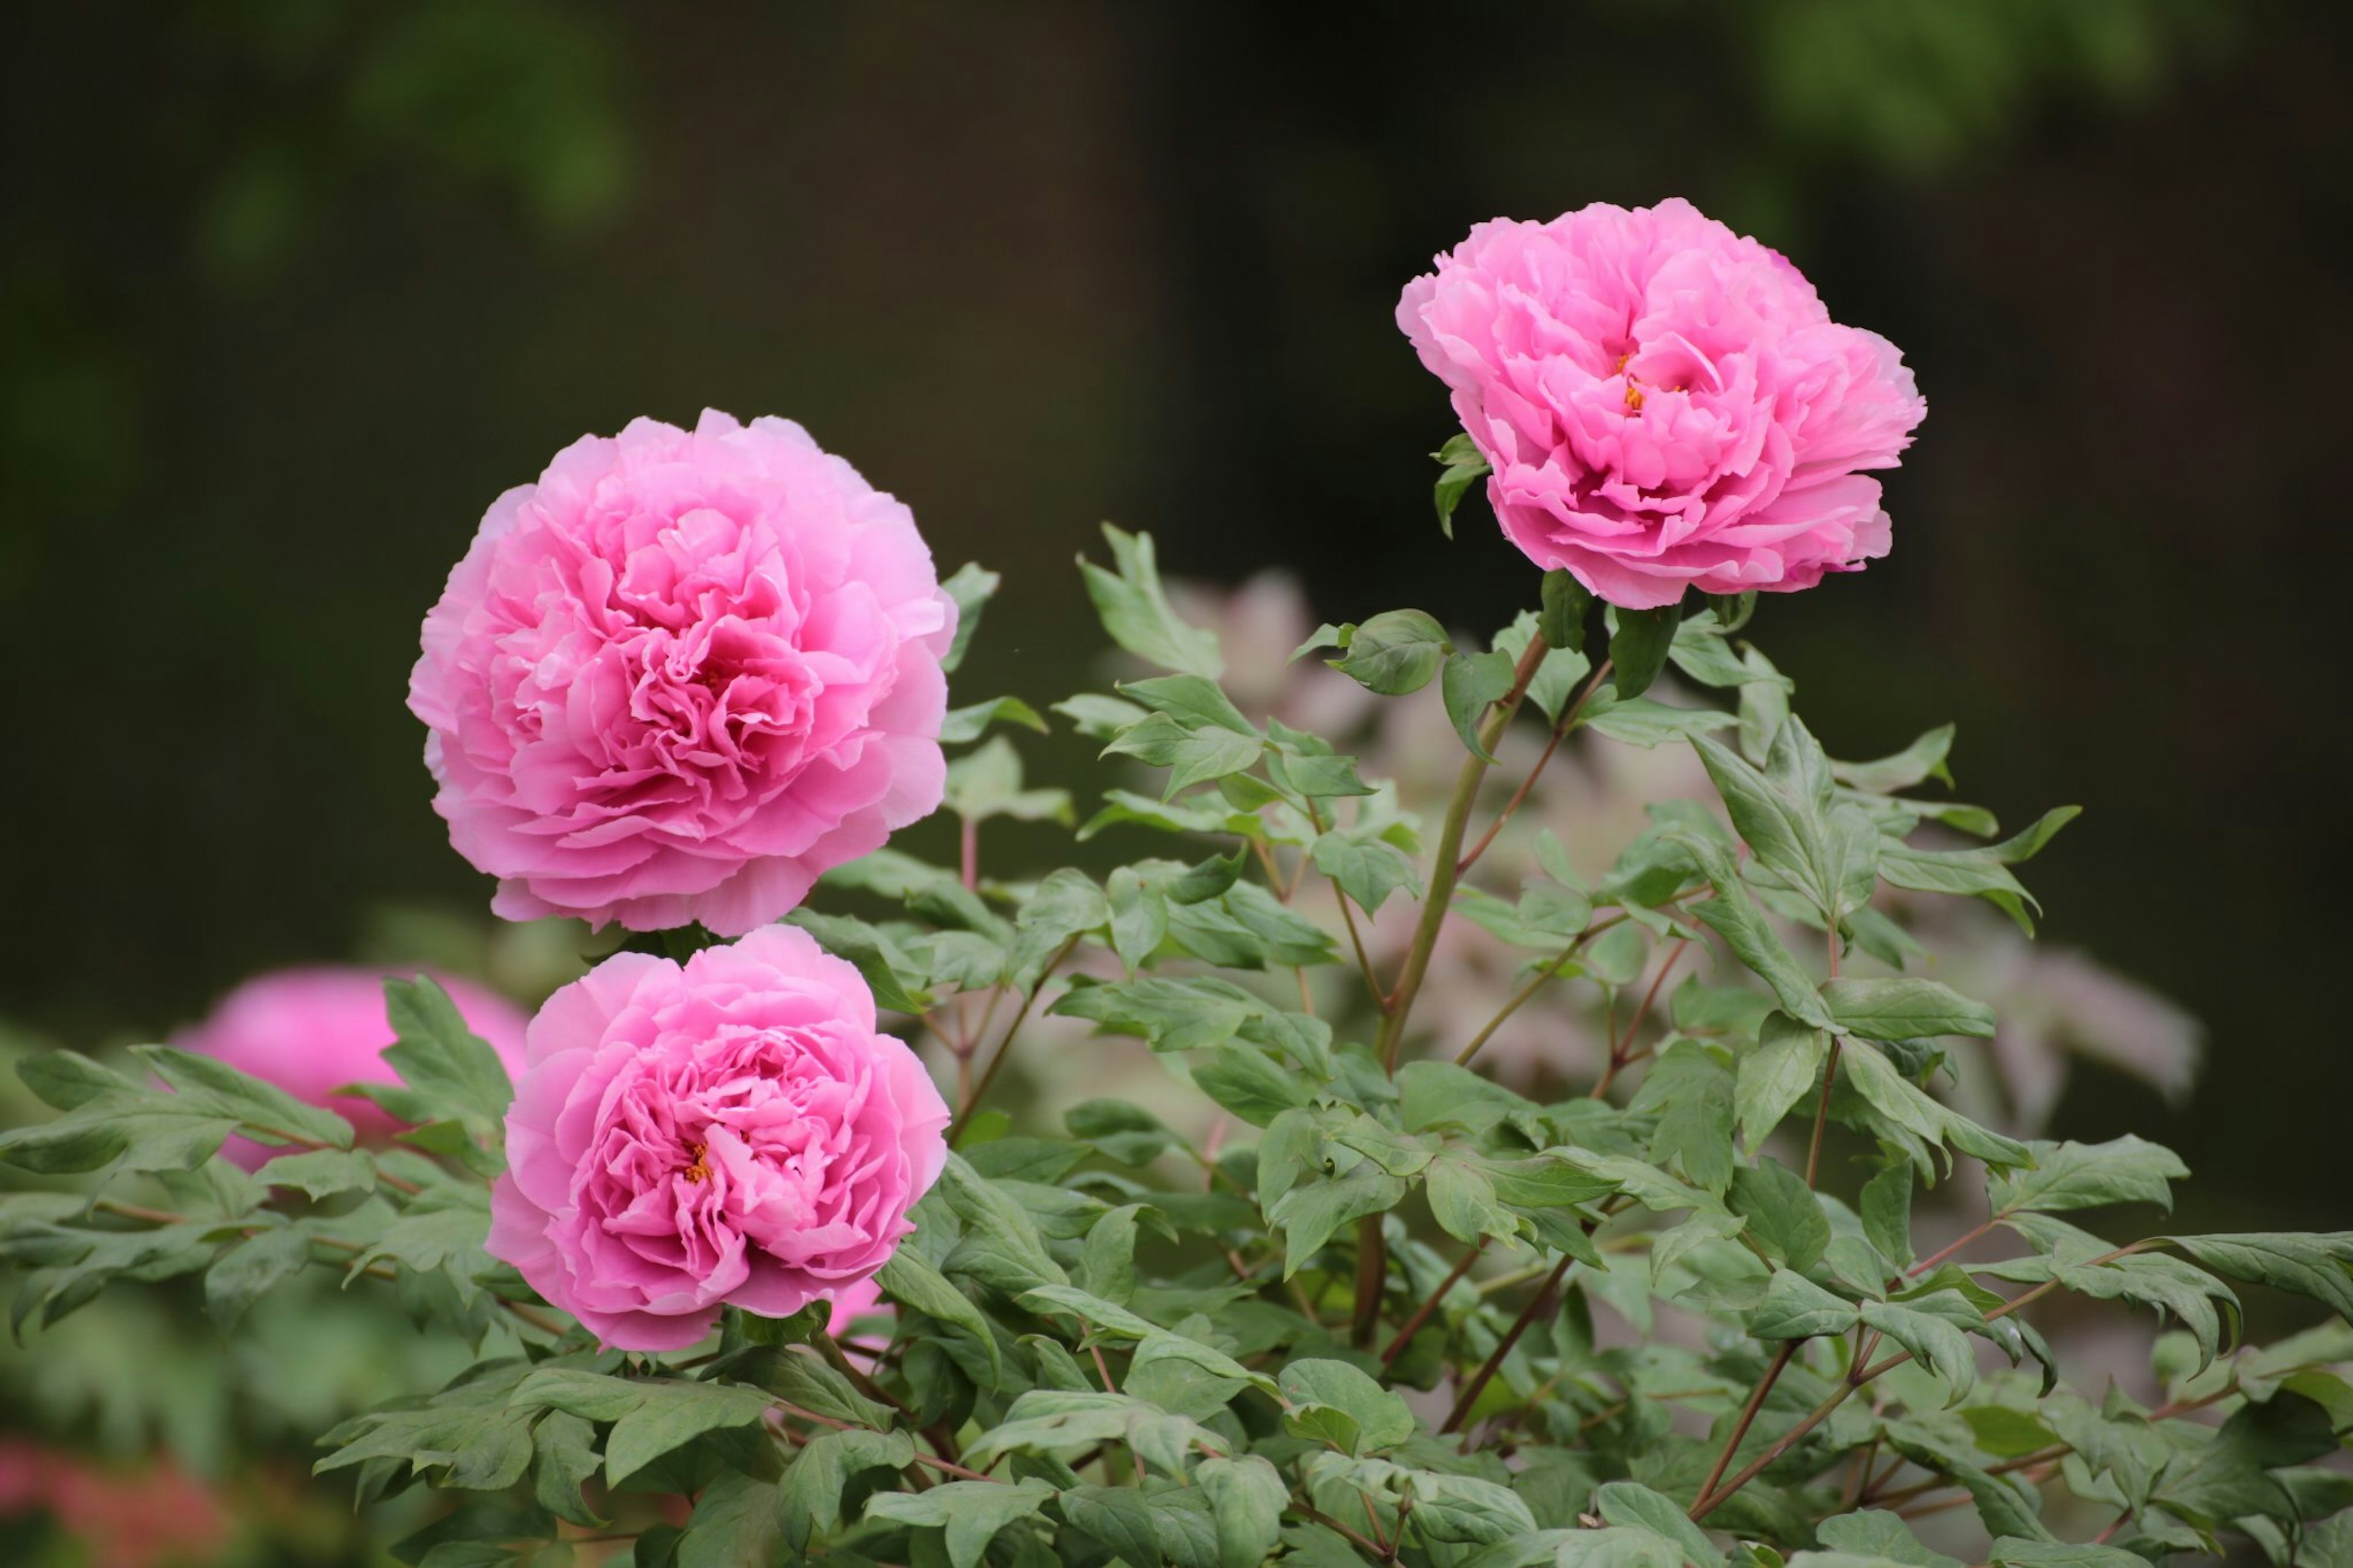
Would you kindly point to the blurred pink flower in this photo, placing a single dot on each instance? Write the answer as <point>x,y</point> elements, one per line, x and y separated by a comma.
<point>310,1031</point>
<point>131,1519</point>
<point>731,1130</point>
<point>1665,404</point>
<point>683,675</point>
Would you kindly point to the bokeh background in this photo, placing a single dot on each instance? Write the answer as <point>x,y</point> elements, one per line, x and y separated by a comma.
<point>291,288</point>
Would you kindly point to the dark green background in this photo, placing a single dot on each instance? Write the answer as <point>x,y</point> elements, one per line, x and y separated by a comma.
<point>290,290</point>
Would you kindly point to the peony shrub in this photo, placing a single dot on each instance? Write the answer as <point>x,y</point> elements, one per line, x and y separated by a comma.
<point>1419,1164</point>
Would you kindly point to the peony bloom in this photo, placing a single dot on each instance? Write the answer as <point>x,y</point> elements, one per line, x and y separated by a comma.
<point>681,676</point>
<point>310,1031</point>
<point>1665,404</point>
<point>734,1129</point>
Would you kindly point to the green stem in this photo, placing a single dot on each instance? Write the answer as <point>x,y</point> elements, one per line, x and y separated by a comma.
<point>1443,871</point>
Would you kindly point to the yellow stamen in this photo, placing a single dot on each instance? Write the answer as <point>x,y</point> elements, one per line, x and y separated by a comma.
<point>1633,398</point>
<point>700,1170</point>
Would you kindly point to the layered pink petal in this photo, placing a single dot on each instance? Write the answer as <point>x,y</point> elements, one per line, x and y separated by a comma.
<point>681,676</point>
<point>1664,404</point>
<point>731,1130</point>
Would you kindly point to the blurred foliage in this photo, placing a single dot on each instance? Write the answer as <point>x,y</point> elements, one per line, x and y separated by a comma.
<point>1914,86</point>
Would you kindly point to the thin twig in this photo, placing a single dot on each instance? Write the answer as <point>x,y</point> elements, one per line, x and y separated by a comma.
<point>1421,1313</point>
<point>1560,734</point>
<point>1479,1380</point>
<point>1005,1045</point>
<point>1748,1415</point>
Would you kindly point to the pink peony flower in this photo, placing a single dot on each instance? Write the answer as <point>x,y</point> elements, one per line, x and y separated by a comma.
<point>683,675</point>
<point>731,1130</point>
<point>1665,404</point>
<point>310,1031</point>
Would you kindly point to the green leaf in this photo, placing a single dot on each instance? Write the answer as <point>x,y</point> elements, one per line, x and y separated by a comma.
<point>2228,1478</point>
<point>1775,1074</point>
<point>1566,602</point>
<point>737,1519</point>
<point>452,1069</point>
<point>1903,1009</point>
<point>1906,1106</point>
<point>2123,1169</point>
<point>1645,722</point>
<point>65,1081</point>
<point>1638,1507</point>
<point>1247,1497</point>
<point>1135,611</point>
<point>2011,1552</point>
<point>1097,717</point>
<point>971,586</point>
<point>1795,1308</point>
<point>971,1513</point>
<point>1333,1402</point>
<point>564,1458</point>
<point>969,723</point>
<point>1469,682</point>
<point>1365,865</point>
<point>1784,1216</point>
<point>1923,759</point>
<point>986,782</point>
<point>916,1284</point>
<point>1459,1509</point>
<point>1877,1533</point>
<point>321,1172</point>
<point>1395,652</point>
<point>651,1416</point>
<point>1931,1327</point>
<point>1191,700</point>
<point>1310,1211</point>
<point>1208,879</point>
<point>2318,1267</point>
<point>1638,649</point>
<point>1465,466</point>
<point>1733,915</point>
<point>810,1499</point>
<point>1462,1200</point>
<point>441,1226</point>
<point>1248,1082</point>
<point>876,957</point>
<point>259,1107</point>
<point>1168,1014</point>
<point>1066,905</point>
<point>1982,872</point>
<point>1885,1208</point>
<point>250,1267</point>
<point>1690,1090</point>
<point>1191,756</point>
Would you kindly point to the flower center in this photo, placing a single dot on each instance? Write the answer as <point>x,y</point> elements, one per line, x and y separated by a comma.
<point>700,1172</point>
